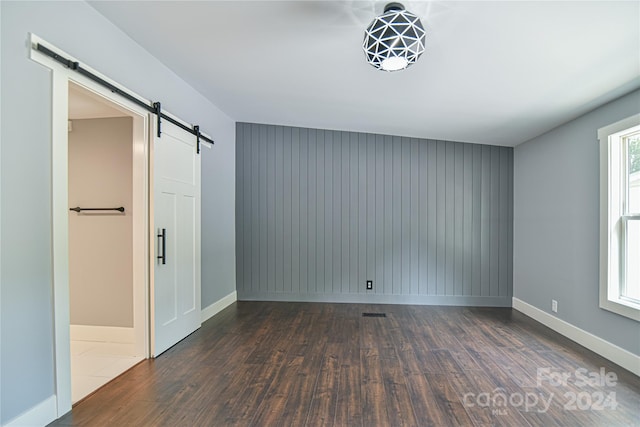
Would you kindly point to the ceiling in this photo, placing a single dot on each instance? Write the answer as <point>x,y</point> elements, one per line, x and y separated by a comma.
<point>84,104</point>
<point>493,72</point>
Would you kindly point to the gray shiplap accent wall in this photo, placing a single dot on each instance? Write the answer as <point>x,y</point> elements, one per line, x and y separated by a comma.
<point>319,212</point>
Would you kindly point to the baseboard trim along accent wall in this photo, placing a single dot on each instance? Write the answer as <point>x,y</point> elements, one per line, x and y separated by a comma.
<point>609,351</point>
<point>40,415</point>
<point>102,334</point>
<point>381,299</point>
<point>215,308</point>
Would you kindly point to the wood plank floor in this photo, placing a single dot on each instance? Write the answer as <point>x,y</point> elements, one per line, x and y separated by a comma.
<point>307,364</point>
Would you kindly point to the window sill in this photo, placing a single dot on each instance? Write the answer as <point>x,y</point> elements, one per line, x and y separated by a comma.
<point>621,307</point>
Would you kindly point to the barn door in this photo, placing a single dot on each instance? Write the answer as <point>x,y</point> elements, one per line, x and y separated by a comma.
<point>176,285</point>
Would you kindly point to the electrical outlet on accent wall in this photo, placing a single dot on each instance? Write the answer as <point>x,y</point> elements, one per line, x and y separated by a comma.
<point>554,306</point>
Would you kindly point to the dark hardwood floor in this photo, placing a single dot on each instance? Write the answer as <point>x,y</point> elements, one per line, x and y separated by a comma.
<point>303,364</point>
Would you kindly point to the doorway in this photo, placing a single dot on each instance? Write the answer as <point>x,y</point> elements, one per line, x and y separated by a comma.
<point>165,236</point>
<point>103,339</point>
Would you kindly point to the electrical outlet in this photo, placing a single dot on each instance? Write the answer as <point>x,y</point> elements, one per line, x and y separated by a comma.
<point>554,306</point>
<point>369,285</point>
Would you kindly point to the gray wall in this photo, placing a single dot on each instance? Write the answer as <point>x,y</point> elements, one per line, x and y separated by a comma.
<point>320,212</point>
<point>101,244</point>
<point>556,224</point>
<point>27,374</point>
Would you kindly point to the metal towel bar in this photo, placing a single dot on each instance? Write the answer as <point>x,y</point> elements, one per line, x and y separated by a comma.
<point>79,209</point>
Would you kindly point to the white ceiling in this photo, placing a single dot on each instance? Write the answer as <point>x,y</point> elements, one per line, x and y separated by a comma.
<point>493,72</point>
<point>84,104</point>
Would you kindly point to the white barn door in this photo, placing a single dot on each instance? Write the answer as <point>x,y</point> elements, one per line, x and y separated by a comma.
<point>176,283</point>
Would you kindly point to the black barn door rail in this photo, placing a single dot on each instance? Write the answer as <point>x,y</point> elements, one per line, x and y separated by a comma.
<point>154,108</point>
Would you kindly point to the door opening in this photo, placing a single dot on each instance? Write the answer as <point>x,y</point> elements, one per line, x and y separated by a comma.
<point>101,184</point>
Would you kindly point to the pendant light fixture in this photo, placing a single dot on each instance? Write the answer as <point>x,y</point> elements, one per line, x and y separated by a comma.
<point>394,40</point>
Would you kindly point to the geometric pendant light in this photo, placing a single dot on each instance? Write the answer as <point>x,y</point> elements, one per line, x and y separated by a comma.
<point>394,40</point>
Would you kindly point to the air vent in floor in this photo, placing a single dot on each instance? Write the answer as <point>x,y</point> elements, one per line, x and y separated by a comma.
<point>374,314</point>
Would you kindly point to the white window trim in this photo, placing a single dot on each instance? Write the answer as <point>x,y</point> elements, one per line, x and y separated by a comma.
<point>609,224</point>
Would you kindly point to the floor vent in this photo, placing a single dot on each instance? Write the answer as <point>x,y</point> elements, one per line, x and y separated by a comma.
<point>374,314</point>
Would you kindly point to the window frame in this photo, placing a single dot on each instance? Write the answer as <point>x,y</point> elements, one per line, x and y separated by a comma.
<point>612,223</point>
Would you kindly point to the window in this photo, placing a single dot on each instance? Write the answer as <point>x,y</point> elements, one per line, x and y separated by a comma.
<point>620,217</point>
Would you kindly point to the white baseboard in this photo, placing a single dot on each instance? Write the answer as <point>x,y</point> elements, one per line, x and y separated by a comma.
<point>215,308</point>
<point>102,334</point>
<point>371,298</point>
<point>609,351</point>
<point>40,415</point>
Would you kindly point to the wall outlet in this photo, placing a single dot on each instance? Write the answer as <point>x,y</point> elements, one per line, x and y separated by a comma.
<point>369,285</point>
<point>554,306</point>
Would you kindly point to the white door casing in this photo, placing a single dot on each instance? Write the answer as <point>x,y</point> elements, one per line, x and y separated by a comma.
<point>176,204</point>
<point>61,78</point>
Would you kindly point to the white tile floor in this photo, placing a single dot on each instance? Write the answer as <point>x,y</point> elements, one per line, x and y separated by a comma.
<point>94,364</point>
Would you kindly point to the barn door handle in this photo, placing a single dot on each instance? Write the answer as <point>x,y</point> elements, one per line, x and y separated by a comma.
<point>163,236</point>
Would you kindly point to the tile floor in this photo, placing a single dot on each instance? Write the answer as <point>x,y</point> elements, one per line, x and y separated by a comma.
<point>93,364</point>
